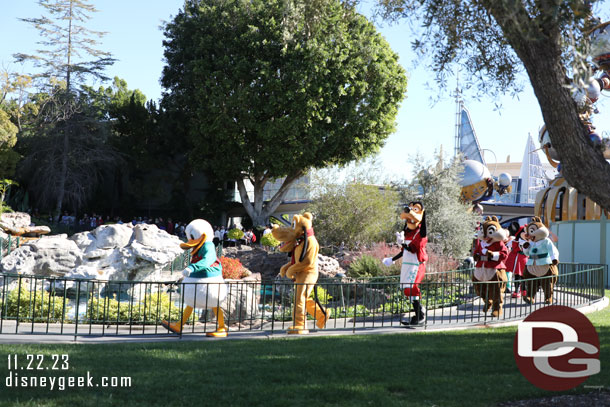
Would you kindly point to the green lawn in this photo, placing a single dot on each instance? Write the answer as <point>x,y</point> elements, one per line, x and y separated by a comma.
<point>474,367</point>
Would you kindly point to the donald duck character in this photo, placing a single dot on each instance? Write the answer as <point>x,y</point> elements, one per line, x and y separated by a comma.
<point>299,241</point>
<point>203,285</point>
<point>413,240</point>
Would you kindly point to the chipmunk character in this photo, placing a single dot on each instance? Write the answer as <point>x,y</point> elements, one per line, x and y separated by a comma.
<point>300,242</point>
<point>515,263</point>
<point>490,254</point>
<point>542,262</point>
<point>413,240</point>
<point>203,285</point>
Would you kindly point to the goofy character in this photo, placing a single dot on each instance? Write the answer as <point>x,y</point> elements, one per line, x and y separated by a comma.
<point>413,240</point>
<point>489,275</point>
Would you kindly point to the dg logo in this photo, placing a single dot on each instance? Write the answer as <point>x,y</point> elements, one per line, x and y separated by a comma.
<point>557,348</point>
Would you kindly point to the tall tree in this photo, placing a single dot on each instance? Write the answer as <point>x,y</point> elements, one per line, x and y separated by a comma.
<point>68,48</point>
<point>8,139</point>
<point>350,206</point>
<point>68,56</point>
<point>53,169</point>
<point>9,108</point>
<point>495,39</point>
<point>269,89</point>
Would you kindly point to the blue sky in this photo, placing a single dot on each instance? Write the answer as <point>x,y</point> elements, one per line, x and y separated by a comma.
<point>135,39</point>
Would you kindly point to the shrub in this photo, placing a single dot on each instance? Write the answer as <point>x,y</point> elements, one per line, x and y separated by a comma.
<point>269,240</point>
<point>379,251</point>
<point>366,266</point>
<point>438,261</point>
<point>154,307</point>
<point>323,296</point>
<point>235,234</point>
<point>232,268</point>
<point>37,305</point>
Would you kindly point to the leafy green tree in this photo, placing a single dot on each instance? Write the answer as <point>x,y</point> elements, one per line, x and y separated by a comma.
<point>5,184</point>
<point>268,89</point>
<point>10,108</point>
<point>350,209</point>
<point>494,40</point>
<point>449,221</point>
<point>8,139</point>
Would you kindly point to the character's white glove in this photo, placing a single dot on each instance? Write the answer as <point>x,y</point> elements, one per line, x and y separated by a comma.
<point>388,261</point>
<point>186,272</point>
<point>400,238</point>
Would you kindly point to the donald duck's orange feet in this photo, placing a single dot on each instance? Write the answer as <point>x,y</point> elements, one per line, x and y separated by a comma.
<point>297,330</point>
<point>219,333</point>
<point>175,327</point>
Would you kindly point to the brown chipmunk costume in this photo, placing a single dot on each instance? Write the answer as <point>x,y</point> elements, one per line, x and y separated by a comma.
<point>542,261</point>
<point>489,254</point>
<point>300,242</point>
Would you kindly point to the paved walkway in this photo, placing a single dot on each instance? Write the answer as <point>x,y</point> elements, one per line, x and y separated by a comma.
<point>465,316</point>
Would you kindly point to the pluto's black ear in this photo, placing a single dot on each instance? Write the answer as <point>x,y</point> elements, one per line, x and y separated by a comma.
<point>423,231</point>
<point>304,244</point>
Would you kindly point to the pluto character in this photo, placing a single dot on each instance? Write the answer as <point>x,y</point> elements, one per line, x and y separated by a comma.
<point>299,241</point>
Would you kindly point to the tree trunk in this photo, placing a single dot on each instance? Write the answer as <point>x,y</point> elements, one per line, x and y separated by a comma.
<point>259,211</point>
<point>63,173</point>
<point>539,48</point>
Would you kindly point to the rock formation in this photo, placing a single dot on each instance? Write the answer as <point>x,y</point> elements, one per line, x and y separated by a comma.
<point>19,223</point>
<point>109,252</point>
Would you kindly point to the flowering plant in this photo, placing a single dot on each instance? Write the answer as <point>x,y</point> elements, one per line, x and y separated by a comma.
<point>232,268</point>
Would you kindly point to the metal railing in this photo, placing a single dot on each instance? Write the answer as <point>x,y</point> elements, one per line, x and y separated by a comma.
<point>9,244</point>
<point>48,305</point>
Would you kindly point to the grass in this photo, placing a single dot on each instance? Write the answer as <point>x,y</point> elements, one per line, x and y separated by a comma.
<point>474,367</point>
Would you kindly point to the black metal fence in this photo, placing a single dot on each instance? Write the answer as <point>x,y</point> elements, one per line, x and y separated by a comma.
<point>9,244</point>
<point>48,305</point>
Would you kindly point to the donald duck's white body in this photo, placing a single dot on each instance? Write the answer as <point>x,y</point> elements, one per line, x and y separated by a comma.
<point>203,284</point>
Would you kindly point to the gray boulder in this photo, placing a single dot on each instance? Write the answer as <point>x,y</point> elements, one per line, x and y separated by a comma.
<point>83,240</point>
<point>242,300</point>
<point>112,252</point>
<point>328,267</point>
<point>112,236</point>
<point>15,220</point>
<point>48,256</point>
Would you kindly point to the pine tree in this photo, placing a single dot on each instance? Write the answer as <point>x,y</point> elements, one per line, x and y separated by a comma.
<point>67,43</point>
<point>67,57</point>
